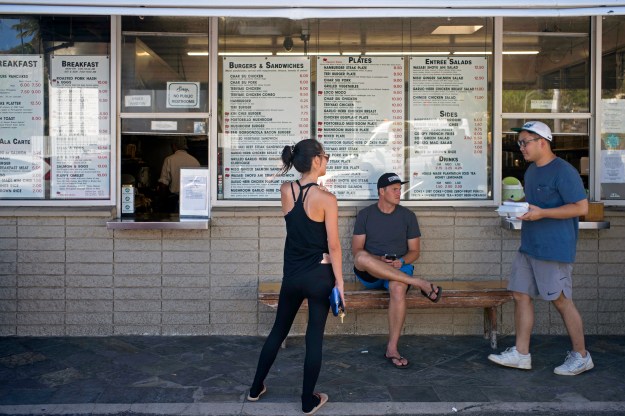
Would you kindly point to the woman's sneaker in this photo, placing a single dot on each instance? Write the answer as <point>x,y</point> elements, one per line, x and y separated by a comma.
<point>574,364</point>
<point>512,358</point>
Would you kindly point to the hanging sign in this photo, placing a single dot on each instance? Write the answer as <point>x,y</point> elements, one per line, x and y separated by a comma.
<point>79,127</point>
<point>22,164</point>
<point>266,107</point>
<point>448,128</point>
<point>360,121</point>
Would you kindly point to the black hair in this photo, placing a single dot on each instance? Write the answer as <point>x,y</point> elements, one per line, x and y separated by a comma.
<point>300,156</point>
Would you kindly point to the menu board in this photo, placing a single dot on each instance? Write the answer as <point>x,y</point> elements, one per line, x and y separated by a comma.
<point>22,165</point>
<point>266,107</point>
<point>448,128</point>
<point>80,127</point>
<point>360,121</point>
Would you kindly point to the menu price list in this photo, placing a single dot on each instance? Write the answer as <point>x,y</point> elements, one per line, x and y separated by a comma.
<point>360,121</point>
<point>80,127</point>
<point>22,165</point>
<point>448,123</point>
<point>266,107</point>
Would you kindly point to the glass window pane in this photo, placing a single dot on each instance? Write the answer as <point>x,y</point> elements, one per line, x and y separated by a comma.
<point>164,65</point>
<point>55,101</point>
<point>546,65</point>
<point>570,142</point>
<point>612,161</point>
<point>404,95</point>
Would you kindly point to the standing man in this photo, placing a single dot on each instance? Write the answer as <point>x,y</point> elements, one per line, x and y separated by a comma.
<point>544,264</point>
<point>385,244</point>
<point>169,181</point>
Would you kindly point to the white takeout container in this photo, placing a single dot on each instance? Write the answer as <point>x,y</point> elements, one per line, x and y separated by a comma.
<point>512,209</point>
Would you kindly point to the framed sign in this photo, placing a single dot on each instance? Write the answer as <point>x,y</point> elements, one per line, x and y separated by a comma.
<point>194,195</point>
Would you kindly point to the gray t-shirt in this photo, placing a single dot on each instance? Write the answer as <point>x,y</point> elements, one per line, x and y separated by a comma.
<point>387,233</point>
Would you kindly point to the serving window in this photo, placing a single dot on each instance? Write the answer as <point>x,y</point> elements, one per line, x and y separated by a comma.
<point>55,138</point>
<point>410,96</point>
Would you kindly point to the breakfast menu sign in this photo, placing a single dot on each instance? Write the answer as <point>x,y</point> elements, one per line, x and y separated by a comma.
<point>22,166</point>
<point>80,127</point>
<point>266,107</point>
<point>360,121</point>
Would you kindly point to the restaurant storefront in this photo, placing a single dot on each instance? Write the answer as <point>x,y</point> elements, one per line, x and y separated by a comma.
<point>94,99</point>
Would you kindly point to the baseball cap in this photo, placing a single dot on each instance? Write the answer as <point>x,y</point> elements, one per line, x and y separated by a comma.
<point>537,127</point>
<point>389,179</point>
<point>181,143</point>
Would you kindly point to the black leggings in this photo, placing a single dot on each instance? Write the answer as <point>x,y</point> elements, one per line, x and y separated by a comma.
<point>314,285</point>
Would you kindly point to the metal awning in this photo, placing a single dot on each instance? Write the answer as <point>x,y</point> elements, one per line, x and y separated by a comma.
<point>306,9</point>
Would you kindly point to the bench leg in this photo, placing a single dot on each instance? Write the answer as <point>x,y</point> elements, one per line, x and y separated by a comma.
<point>490,325</point>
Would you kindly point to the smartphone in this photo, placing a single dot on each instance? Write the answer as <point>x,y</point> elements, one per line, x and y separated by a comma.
<point>391,256</point>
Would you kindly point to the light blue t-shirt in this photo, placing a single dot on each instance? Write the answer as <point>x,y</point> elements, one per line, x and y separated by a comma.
<point>550,186</point>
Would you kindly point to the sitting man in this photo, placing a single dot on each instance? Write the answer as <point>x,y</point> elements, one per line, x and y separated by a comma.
<point>385,243</point>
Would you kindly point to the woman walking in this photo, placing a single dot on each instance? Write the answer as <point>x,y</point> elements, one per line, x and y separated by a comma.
<point>312,267</point>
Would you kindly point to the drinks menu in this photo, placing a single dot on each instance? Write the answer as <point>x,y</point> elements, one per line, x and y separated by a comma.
<point>266,107</point>
<point>22,165</point>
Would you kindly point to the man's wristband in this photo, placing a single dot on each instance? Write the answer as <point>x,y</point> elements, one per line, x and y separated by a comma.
<point>403,262</point>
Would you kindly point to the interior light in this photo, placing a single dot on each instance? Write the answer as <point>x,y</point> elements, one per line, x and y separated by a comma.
<point>325,53</point>
<point>456,30</point>
<point>245,53</point>
<point>408,53</point>
<point>143,53</point>
<point>290,53</point>
<point>474,53</point>
<point>351,53</point>
<point>198,53</point>
<point>520,52</point>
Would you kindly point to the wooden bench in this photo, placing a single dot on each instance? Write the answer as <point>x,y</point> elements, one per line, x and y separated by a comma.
<point>457,294</point>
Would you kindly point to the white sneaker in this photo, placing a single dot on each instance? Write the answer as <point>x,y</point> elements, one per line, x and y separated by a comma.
<point>574,364</point>
<point>512,358</point>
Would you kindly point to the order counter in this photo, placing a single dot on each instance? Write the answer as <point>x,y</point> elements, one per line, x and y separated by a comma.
<point>583,225</point>
<point>154,222</point>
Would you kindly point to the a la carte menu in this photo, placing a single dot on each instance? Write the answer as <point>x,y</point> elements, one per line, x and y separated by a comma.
<point>22,164</point>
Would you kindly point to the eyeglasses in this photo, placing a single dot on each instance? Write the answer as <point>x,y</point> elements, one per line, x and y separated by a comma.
<point>325,155</point>
<point>522,143</point>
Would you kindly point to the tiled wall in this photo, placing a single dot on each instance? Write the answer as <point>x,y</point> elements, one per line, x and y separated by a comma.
<point>69,275</point>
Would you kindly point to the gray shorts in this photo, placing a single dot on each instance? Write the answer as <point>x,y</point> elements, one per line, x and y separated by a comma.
<point>546,279</point>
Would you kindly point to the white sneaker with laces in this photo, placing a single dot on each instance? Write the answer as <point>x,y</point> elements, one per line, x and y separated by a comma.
<point>574,364</point>
<point>512,358</point>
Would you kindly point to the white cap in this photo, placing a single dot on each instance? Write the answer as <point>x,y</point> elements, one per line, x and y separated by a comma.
<point>537,127</point>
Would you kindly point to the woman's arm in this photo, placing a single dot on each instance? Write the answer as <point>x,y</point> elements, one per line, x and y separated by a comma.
<point>331,214</point>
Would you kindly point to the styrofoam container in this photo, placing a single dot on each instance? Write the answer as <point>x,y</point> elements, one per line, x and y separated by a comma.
<point>513,209</point>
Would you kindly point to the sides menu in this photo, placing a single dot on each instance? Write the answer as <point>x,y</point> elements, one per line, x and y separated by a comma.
<point>360,113</point>
<point>79,127</point>
<point>22,165</point>
<point>448,123</point>
<point>266,107</point>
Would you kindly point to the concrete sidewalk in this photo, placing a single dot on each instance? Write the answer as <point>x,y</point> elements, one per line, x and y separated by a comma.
<point>210,375</point>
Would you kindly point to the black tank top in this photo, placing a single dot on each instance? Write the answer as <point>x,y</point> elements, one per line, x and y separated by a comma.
<point>306,240</point>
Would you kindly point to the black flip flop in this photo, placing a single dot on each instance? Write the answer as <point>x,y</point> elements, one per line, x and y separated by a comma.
<point>400,366</point>
<point>438,294</point>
